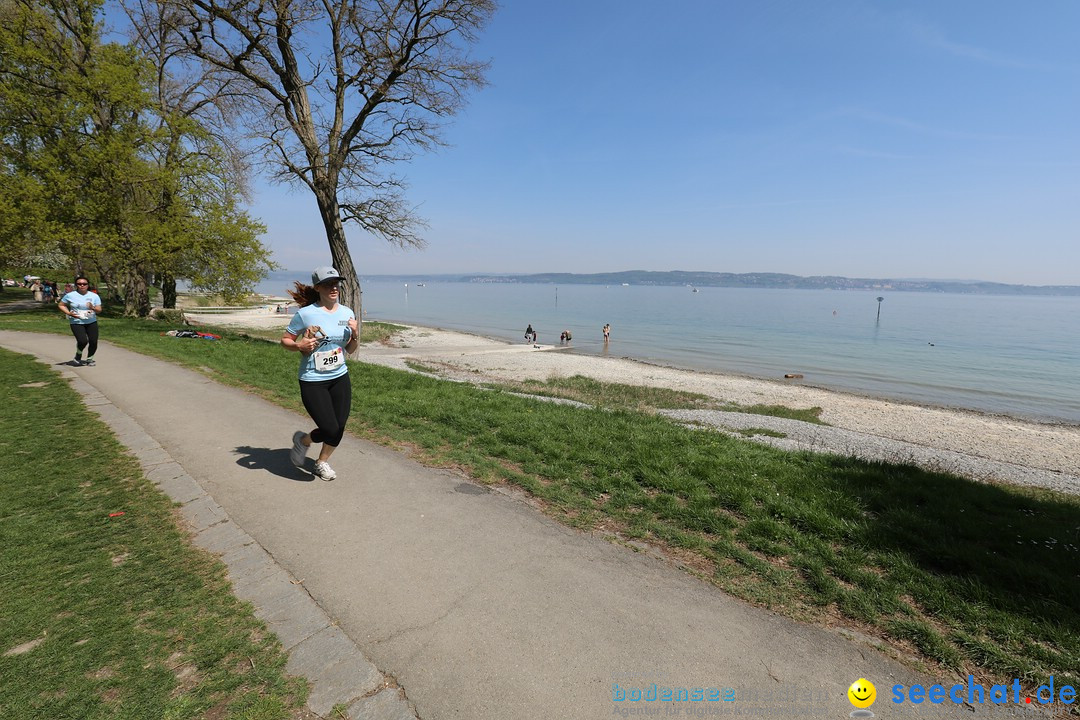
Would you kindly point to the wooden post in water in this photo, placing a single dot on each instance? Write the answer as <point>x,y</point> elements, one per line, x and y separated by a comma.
<point>879,308</point>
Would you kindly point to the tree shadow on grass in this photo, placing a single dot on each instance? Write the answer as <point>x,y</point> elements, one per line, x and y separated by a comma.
<point>986,560</point>
<point>272,460</point>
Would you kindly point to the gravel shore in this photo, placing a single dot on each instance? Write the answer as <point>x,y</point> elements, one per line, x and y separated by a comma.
<point>983,447</point>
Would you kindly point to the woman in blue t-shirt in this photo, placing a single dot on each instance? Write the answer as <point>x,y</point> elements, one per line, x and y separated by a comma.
<point>82,305</point>
<point>323,332</point>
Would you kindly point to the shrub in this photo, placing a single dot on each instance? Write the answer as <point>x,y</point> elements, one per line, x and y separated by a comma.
<point>173,316</point>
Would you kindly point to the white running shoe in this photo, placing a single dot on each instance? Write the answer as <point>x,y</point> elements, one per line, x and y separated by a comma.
<point>299,449</point>
<point>323,470</point>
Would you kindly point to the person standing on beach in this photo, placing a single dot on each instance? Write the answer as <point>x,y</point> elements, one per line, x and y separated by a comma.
<point>82,306</point>
<point>323,332</point>
<point>530,334</point>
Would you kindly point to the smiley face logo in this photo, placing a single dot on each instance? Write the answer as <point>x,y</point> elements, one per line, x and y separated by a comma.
<point>862,693</point>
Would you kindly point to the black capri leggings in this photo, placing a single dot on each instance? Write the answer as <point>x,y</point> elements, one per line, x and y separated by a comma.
<point>328,403</point>
<point>85,335</point>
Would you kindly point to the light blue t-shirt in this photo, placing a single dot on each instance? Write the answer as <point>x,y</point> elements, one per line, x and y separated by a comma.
<point>82,306</point>
<point>328,360</point>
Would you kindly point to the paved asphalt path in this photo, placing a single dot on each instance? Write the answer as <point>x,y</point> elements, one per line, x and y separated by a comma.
<point>478,605</point>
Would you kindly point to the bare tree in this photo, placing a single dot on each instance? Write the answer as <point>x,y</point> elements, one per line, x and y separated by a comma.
<point>342,90</point>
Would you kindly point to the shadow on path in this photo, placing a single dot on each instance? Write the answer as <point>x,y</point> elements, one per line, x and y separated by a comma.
<point>275,461</point>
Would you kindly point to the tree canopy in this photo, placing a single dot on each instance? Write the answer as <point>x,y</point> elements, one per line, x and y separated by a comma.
<point>98,162</point>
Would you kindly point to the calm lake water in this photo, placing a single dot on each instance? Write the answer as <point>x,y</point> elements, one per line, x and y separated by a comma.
<point>1018,355</point>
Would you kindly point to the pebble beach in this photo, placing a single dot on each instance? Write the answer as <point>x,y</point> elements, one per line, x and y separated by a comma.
<point>983,447</point>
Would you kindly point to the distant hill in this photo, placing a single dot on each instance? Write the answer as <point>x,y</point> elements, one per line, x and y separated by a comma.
<point>758,280</point>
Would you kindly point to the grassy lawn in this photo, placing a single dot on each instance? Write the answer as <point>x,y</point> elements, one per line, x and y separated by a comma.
<point>970,577</point>
<point>646,399</point>
<point>17,294</point>
<point>111,616</point>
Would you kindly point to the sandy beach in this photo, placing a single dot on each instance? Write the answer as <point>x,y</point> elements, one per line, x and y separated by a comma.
<point>983,447</point>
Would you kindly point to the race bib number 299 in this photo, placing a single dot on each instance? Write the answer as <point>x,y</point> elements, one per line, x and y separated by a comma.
<point>329,360</point>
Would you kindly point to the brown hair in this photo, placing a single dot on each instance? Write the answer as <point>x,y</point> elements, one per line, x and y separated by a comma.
<point>304,295</point>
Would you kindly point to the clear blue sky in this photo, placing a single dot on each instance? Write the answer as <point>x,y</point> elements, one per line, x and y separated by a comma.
<point>870,138</point>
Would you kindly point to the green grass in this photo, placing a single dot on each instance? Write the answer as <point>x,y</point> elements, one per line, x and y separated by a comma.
<point>18,294</point>
<point>131,621</point>
<point>973,577</point>
<point>371,331</point>
<point>641,398</point>
<point>751,432</point>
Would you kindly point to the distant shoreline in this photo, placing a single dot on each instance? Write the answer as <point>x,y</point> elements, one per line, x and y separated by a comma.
<point>771,281</point>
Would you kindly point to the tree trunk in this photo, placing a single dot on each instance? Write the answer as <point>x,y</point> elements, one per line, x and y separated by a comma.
<point>351,294</point>
<point>136,293</point>
<point>168,290</point>
<point>109,280</point>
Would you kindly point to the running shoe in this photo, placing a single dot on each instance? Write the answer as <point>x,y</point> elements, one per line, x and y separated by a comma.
<point>77,362</point>
<point>89,361</point>
<point>323,470</point>
<point>299,449</point>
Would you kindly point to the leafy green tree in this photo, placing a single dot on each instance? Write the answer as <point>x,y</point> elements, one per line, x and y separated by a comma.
<point>73,122</point>
<point>100,160</point>
<point>205,237</point>
<point>221,262</point>
<point>32,116</point>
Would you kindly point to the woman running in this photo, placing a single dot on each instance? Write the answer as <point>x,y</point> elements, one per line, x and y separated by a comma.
<point>82,305</point>
<point>323,332</point>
